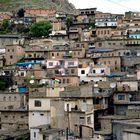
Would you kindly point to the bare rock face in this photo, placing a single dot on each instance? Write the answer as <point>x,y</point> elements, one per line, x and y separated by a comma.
<point>59,5</point>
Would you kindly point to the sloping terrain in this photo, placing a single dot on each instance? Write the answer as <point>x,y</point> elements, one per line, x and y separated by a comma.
<point>12,5</point>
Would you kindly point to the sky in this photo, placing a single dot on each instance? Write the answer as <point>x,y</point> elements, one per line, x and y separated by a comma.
<point>113,6</point>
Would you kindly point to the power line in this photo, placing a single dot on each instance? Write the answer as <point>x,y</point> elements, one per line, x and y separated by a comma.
<point>122,5</point>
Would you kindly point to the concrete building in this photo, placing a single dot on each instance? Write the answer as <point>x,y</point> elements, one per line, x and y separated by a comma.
<point>13,54</point>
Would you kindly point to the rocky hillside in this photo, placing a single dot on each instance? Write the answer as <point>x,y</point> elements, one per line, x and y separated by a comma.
<point>12,5</point>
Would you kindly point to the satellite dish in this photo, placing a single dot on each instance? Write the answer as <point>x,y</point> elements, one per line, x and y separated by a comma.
<point>95,85</point>
<point>32,81</point>
<point>3,73</point>
<point>112,85</point>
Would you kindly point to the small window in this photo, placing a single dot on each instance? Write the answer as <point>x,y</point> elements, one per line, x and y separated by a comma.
<point>21,116</point>
<point>78,53</point>
<point>82,71</point>
<point>121,97</point>
<point>41,114</point>
<point>63,80</point>
<point>37,103</point>
<point>56,72</point>
<point>50,63</point>
<point>57,54</point>
<point>100,44</point>
<point>6,116</point>
<point>22,73</point>
<point>15,98</point>
<point>72,71</point>
<point>94,71</point>
<point>102,71</point>
<point>89,120</point>
<point>84,100</point>
<point>52,54</point>
<point>11,56</point>
<point>34,134</point>
<point>12,50</point>
<point>9,98</point>
<point>68,80</point>
<point>71,63</point>
<point>8,50</point>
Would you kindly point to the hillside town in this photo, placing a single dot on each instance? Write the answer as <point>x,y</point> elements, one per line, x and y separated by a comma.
<point>80,80</point>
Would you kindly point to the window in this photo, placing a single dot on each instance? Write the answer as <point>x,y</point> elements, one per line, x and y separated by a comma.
<point>82,45</point>
<point>12,50</point>
<point>121,97</point>
<point>6,116</point>
<point>72,71</point>
<point>100,44</point>
<point>21,116</point>
<point>68,80</point>
<point>84,100</point>
<point>8,50</point>
<point>56,72</point>
<point>52,54</point>
<point>82,71</point>
<point>41,114</point>
<point>11,56</point>
<point>34,134</point>
<point>63,80</point>
<point>89,120</point>
<point>15,98</point>
<point>57,54</point>
<point>78,53</point>
<point>102,71</point>
<point>22,73</point>
<point>37,103</point>
<point>70,63</point>
<point>108,31</point>
<point>94,71</point>
<point>50,63</point>
<point>77,45</point>
<point>9,98</point>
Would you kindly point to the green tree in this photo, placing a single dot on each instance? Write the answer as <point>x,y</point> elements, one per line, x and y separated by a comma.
<point>40,29</point>
<point>20,13</point>
<point>69,22</point>
<point>4,27</point>
<point>2,85</point>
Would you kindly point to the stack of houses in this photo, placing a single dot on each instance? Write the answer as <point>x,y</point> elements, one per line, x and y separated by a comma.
<point>81,82</point>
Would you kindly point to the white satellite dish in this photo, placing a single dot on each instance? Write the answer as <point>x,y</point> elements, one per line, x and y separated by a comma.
<point>95,85</point>
<point>32,81</point>
<point>112,85</point>
<point>3,73</point>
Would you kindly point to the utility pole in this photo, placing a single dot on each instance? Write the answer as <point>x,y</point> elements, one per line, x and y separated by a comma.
<point>68,128</point>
